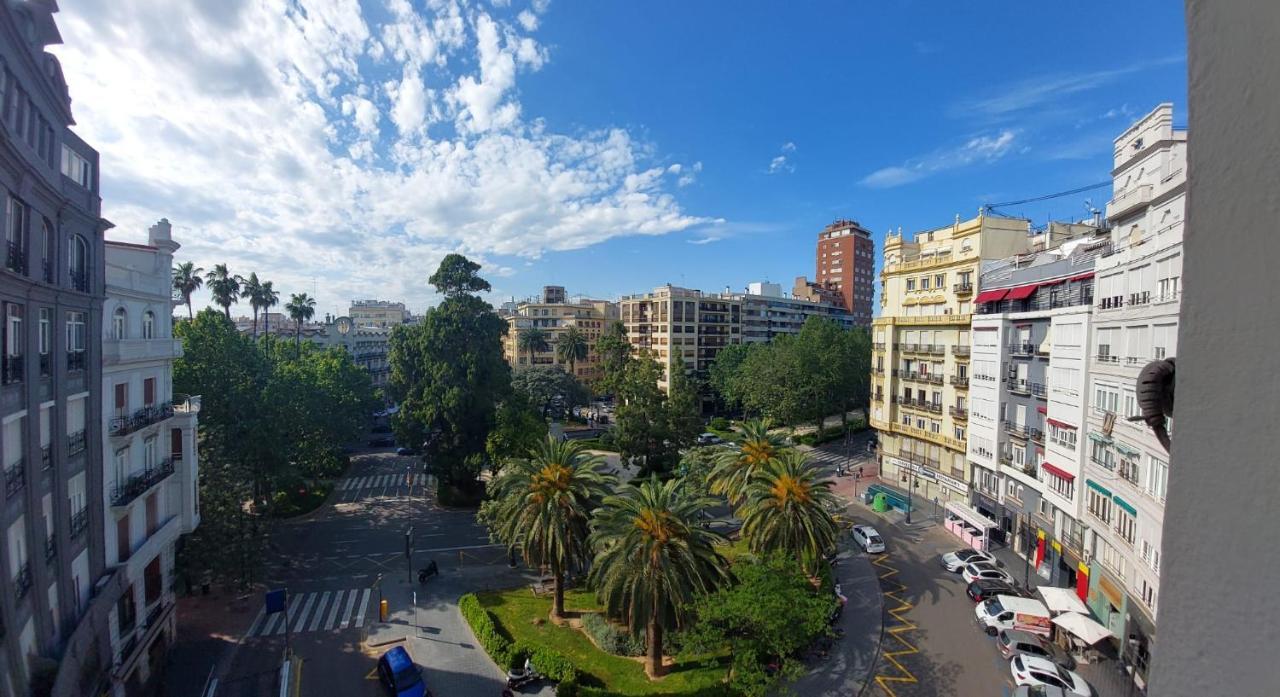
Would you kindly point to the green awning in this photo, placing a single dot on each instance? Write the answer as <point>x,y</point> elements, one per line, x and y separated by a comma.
<point>1098,437</point>
<point>1126,449</point>
<point>1098,487</point>
<point>1125,505</point>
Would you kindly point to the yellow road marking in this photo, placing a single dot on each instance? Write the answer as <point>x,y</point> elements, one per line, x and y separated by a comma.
<point>891,591</point>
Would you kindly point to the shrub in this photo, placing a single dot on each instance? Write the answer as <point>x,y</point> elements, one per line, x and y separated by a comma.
<point>550,663</point>
<point>719,424</point>
<point>610,637</point>
<point>499,647</point>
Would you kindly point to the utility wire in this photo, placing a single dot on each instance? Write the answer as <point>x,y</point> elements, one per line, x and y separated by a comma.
<point>1060,194</point>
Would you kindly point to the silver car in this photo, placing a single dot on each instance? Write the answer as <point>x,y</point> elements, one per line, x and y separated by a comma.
<point>868,539</point>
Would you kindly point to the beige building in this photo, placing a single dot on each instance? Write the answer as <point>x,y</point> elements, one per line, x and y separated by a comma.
<point>589,316</point>
<point>920,349</point>
<point>673,321</point>
<point>383,314</point>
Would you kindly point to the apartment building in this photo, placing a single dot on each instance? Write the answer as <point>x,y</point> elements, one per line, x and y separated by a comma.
<point>681,324</point>
<point>383,314</point>
<point>369,346</point>
<point>553,315</point>
<point>921,346</point>
<point>150,492</point>
<point>1027,398</point>
<point>1136,321</point>
<point>844,268</point>
<point>51,290</point>
<point>767,313</point>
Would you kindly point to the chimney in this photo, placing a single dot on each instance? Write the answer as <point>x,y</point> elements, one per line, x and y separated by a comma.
<point>160,236</point>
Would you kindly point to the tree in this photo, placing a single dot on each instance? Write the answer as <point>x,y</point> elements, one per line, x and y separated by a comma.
<point>769,615</point>
<point>684,408</point>
<point>187,280</point>
<point>724,372</point>
<point>654,559</point>
<point>614,352</point>
<point>301,307</point>
<point>457,276</point>
<point>517,429</point>
<point>571,347</point>
<point>736,468</point>
<point>251,290</point>
<point>224,286</point>
<point>550,390</point>
<point>534,340</point>
<point>788,510</point>
<point>268,298</point>
<point>542,506</point>
<point>642,429</point>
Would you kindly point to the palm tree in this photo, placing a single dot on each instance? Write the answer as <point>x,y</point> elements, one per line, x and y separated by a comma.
<point>251,290</point>
<point>735,469</point>
<point>788,509</point>
<point>301,307</point>
<point>270,297</point>
<point>654,558</point>
<point>533,340</point>
<point>187,280</point>
<point>224,286</point>
<point>571,347</point>
<point>542,506</point>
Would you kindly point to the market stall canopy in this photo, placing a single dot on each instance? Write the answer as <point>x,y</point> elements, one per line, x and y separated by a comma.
<point>1062,600</point>
<point>1083,627</point>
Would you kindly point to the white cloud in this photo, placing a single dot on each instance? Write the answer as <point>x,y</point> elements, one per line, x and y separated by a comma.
<point>256,128</point>
<point>705,240</point>
<point>1018,97</point>
<point>986,148</point>
<point>528,20</point>
<point>781,163</point>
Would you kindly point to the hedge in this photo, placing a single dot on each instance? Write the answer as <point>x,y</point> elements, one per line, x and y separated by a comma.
<point>508,654</point>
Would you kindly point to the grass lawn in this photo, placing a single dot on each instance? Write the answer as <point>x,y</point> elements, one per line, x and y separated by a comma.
<point>516,610</point>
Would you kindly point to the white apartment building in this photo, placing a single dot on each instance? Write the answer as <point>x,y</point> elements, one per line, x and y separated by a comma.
<point>150,487</point>
<point>768,313</point>
<point>1136,321</point>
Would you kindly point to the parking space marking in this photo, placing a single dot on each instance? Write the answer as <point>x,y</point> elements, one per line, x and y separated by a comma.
<point>891,590</point>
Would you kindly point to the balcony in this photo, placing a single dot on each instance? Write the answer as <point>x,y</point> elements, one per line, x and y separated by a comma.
<point>935,349</point>
<point>15,478</point>
<point>960,349</point>
<point>1107,358</point>
<point>140,419</point>
<point>141,483</point>
<point>79,522</point>
<point>1016,430</point>
<point>1039,390</point>
<point>76,443</point>
<point>15,257</point>
<point>1140,298</point>
<point>116,351</point>
<point>1113,302</point>
<point>46,457</point>
<point>933,407</point>
<point>76,360</point>
<point>50,549</point>
<point>935,378</point>
<point>962,289</point>
<point>960,413</point>
<point>1026,349</point>
<point>1021,387</point>
<point>1037,435</point>
<point>11,368</point>
<point>961,381</point>
<point>878,371</point>
<point>80,281</point>
<point>46,268</point>
<point>877,345</point>
<point>911,348</point>
<point>1129,200</point>
<point>22,580</point>
<point>134,640</point>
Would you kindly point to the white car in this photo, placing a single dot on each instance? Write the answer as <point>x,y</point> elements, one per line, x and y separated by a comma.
<point>1036,671</point>
<point>954,561</point>
<point>868,539</point>
<point>983,570</point>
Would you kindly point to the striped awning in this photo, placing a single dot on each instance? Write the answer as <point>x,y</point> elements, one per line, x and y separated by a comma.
<point>1126,449</point>
<point>1098,437</point>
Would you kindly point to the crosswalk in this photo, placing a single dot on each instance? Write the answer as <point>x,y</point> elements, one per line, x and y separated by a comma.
<point>386,484</point>
<point>315,612</point>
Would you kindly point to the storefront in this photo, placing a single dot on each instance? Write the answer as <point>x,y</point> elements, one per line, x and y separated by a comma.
<point>931,488</point>
<point>966,523</point>
<point>993,509</point>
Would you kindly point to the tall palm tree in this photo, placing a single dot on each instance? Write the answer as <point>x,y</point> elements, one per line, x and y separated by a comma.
<point>730,476</point>
<point>187,280</point>
<point>301,307</point>
<point>534,340</point>
<point>654,558</point>
<point>225,287</point>
<point>542,505</point>
<point>270,297</point>
<point>788,509</point>
<point>571,347</point>
<point>251,290</point>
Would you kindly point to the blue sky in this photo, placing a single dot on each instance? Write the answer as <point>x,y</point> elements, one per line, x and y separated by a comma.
<point>344,147</point>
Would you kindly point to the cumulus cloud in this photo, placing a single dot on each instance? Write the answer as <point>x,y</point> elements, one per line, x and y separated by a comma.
<point>780,163</point>
<point>258,128</point>
<point>984,148</point>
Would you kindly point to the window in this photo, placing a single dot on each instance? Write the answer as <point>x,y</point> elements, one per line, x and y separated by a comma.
<point>924,283</point>
<point>1157,480</point>
<point>13,338</point>
<point>1151,555</point>
<point>1061,435</point>
<point>47,244</point>
<point>1099,505</point>
<point>78,263</point>
<point>15,235</point>
<point>75,332</point>
<point>1148,595</point>
<point>1111,557</point>
<point>1105,398</point>
<point>1126,524</point>
<point>1102,455</point>
<point>1127,467</point>
<point>149,392</point>
<point>121,467</point>
<point>940,280</point>
<point>76,167</point>
<point>911,284</point>
<point>959,433</point>
<point>1168,276</point>
<point>119,324</point>
<point>1164,341</point>
<point>1130,404</point>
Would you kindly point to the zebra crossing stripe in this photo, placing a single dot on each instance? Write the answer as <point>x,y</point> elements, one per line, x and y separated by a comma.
<point>262,612</point>
<point>342,485</point>
<point>346,614</point>
<point>364,481</point>
<point>386,481</point>
<point>364,603</point>
<point>333,612</point>
<point>271,624</point>
<point>306,610</point>
<point>289,615</point>
<point>315,621</point>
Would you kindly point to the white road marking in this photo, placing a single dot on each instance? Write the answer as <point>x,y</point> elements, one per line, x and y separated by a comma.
<point>262,612</point>
<point>271,624</point>
<point>315,622</point>
<point>364,603</point>
<point>333,612</point>
<point>289,615</point>
<point>346,614</point>
<point>306,610</point>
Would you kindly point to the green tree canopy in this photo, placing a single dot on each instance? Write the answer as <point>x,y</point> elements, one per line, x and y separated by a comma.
<point>788,509</point>
<point>550,390</point>
<point>735,468</point>
<point>614,352</point>
<point>571,347</point>
<point>458,275</point>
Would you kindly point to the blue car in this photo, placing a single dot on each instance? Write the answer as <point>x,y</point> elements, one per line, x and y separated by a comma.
<point>399,674</point>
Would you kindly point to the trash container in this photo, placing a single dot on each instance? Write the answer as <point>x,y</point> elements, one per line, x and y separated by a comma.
<point>868,496</point>
<point>881,503</point>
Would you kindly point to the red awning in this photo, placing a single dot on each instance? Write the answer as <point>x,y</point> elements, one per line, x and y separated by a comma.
<point>1054,283</point>
<point>1058,472</point>
<point>990,296</point>
<point>1022,292</point>
<point>1081,277</point>
<point>1042,410</point>
<point>1060,424</point>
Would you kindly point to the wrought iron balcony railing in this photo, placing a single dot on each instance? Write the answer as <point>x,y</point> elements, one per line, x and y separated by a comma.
<point>141,418</point>
<point>22,580</point>
<point>1022,349</point>
<point>960,380</point>
<point>80,281</point>
<point>958,413</point>
<point>46,364</point>
<point>138,484</point>
<point>15,478</point>
<point>960,349</point>
<point>15,257</point>
<point>50,549</point>
<point>76,443</point>
<point>1016,430</point>
<point>76,360</point>
<point>46,457</point>
<point>11,369</point>
<point>79,522</point>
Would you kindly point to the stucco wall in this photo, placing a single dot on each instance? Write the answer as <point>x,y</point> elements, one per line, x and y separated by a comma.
<point>1224,477</point>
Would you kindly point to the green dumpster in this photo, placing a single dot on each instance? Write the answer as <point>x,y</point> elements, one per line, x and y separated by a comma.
<point>881,503</point>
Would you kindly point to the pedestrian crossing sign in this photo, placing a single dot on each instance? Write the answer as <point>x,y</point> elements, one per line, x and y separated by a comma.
<point>275,600</point>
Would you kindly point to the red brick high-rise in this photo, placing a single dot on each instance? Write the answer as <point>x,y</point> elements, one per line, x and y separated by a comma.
<point>845,265</point>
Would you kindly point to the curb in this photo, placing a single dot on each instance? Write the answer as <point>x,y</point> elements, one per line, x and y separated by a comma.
<point>868,679</point>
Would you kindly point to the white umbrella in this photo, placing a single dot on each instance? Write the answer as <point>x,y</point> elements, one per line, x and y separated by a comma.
<point>1062,600</point>
<point>1085,628</point>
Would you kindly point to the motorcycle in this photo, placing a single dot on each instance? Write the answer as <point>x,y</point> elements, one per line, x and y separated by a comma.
<point>519,677</point>
<point>431,570</point>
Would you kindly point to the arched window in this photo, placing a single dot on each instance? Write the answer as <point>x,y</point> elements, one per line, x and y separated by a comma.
<point>79,264</point>
<point>148,325</point>
<point>118,324</point>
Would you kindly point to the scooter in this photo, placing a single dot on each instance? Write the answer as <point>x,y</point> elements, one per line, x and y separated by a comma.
<point>519,677</point>
<point>431,570</point>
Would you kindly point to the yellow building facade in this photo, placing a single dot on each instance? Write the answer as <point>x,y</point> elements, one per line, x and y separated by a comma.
<point>920,350</point>
<point>589,316</point>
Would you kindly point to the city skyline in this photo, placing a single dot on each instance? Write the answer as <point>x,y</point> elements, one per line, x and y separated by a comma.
<point>395,133</point>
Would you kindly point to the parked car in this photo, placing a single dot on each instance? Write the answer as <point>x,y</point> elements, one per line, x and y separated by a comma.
<point>1013,642</point>
<point>954,561</point>
<point>974,571</point>
<point>381,442</point>
<point>1011,612</point>
<point>867,538</point>
<point>1029,670</point>
<point>400,675</point>
<point>984,588</point>
<point>709,439</point>
<point>404,451</point>
<point>1040,691</point>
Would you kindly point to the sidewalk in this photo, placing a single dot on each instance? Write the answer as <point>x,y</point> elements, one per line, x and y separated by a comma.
<point>210,628</point>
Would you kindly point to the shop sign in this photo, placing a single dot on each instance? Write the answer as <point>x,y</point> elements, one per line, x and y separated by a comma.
<point>1108,589</point>
<point>929,473</point>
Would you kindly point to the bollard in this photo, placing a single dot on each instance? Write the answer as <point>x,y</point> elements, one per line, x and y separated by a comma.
<point>382,611</point>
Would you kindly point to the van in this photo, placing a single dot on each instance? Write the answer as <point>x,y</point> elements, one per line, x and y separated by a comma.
<point>1012,612</point>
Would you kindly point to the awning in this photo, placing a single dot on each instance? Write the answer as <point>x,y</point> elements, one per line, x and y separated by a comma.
<point>1060,424</point>
<point>990,296</point>
<point>971,516</point>
<point>1082,626</point>
<point>1126,450</point>
<point>1054,283</point>
<point>1098,437</point>
<point>1022,292</point>
<point>1062,600</point>
<point>1098,488</point>
<point>1058,472</point>
<point>1081,277</point>
<point>1043,410</point>
<point>1125,505</point>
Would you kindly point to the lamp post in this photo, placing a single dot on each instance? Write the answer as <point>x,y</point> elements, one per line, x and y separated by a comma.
<point>911,485</point>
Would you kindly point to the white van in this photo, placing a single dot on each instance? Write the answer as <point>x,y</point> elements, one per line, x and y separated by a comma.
<point>1012,612</point>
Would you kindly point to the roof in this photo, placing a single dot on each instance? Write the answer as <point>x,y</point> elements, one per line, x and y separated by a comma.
<point>1062,599</point>
<point>130,245</point>
<point>398,659</point>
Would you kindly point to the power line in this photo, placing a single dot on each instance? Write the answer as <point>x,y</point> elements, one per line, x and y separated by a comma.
<point>1046,197</point>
